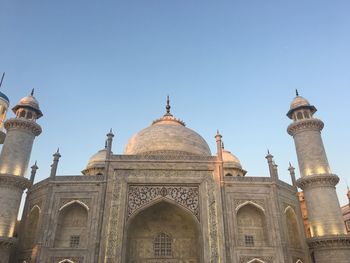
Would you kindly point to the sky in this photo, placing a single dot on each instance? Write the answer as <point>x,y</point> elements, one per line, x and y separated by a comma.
<point>227,65</point>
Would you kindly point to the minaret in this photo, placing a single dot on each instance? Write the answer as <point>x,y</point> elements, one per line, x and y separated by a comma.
<point>14,159</point>
<point>327,227</point>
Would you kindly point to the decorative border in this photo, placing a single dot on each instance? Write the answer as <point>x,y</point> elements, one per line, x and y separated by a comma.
<point>141,195</point>
<point>15,181</point>
<point>311,124</point>
<point>32,126</point>
<point>329,242</point>
<point>329,180</point>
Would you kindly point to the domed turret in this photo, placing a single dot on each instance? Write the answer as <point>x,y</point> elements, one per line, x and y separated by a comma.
<point>28,108</point>
<point>96,163</point>
<point>300,108</point>
<point>231,164</point>
<point>167,135</point>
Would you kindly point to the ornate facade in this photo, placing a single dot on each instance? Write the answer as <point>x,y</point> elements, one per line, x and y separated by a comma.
<point>168,199</point>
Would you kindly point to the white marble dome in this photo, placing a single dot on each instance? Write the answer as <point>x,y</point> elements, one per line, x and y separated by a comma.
<point>167,135</point>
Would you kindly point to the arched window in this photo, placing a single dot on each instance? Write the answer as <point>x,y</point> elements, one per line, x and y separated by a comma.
<point>299,116</point>
<point>162,246</point>
<point>306,115</point>
<point>71,231</point>
<point>252,229</point>
<point>22,114</point>
<point>29,115</point>
<point>228,174</point>
<point>292,228</point>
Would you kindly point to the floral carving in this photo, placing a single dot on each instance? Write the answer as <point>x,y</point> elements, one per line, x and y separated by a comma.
<point>141,195</point>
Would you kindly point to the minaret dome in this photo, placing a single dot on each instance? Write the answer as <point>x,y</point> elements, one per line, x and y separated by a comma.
<point>28,108</point>
<point>300,109</point>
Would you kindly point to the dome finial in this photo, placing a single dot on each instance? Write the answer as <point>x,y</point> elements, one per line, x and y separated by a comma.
<point>296,92</point>
<point>167,105</point>
<point>2,78</point>
<point>32,93</point>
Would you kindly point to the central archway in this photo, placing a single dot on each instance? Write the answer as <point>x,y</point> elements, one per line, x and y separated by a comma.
<point>163,232</point>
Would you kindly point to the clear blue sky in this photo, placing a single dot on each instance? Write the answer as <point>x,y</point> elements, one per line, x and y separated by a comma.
<point>231,65</point>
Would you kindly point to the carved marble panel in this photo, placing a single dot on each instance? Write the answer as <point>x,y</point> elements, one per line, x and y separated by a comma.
<point>141,195</point>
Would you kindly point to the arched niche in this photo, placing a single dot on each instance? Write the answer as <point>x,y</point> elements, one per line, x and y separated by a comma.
<point>256,260</point>
<point>252,226</point>
<point>292,228</point>
<point>71,229</point>
<point>31,225</point>
<point>163,231</point>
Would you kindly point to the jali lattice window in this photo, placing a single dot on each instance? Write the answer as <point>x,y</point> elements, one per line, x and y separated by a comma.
<point>74,241</point>
<point>162,245</point>
<point>249,241</point>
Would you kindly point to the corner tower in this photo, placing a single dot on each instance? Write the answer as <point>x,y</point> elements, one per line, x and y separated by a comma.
<point>328,242</point>
<point>14,159</point>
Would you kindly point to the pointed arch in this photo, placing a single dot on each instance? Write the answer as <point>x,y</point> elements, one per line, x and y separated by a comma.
<point>256,260</point>
<point>31,224</point>
<point>72,226</point>
<point>299,261</point>
<point>66,261</point>
<point>161,230</point>
<point>72,202</point>
<point>35,207</point>
<point>252,225</point>
<point>292,230</point>
<point>250,203</point>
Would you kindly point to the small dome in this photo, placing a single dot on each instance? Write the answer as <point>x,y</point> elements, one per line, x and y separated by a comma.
<point>299,102</point>
<point>99,157</point>
<point>228,157</point>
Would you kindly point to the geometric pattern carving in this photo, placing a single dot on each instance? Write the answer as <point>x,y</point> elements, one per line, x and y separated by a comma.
<point>245,259</point>
<point>141,195</point>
